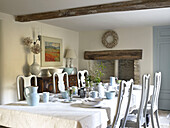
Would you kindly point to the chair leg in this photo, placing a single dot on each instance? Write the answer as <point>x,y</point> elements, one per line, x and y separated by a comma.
<point>145,126</point>
<point>139,126</point>
<point>157,120</point>
<point>152,120</point>
<point>147,119</point>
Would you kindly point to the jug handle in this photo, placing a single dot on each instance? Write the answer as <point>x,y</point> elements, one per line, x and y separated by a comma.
<point>25,94</point>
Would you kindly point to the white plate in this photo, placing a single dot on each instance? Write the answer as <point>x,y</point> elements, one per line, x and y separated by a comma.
<point>91,101</point>
<point>89,106</point>
<point>67,101</point>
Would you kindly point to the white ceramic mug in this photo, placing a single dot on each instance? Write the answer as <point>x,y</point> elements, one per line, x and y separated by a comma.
<point>45,97</point>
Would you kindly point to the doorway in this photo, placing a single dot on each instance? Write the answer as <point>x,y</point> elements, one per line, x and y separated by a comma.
<point>161,62</point>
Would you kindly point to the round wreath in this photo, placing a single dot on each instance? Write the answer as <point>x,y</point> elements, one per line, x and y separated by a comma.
<point>110,44</point>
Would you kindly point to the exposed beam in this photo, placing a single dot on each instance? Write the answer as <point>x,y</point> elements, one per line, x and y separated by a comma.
<point>103,8</point>
<point>113,55</point>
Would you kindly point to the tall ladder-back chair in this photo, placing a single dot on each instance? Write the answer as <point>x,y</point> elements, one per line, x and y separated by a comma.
<point>152,107</point>
<point>136,121</point>
<point>124,98</point>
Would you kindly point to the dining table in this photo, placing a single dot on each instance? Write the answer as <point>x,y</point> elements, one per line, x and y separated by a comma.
<point>58,113</point>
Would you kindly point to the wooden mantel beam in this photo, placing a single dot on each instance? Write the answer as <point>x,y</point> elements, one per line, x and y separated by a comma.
<point>102,8</point>
<point>134,54</point>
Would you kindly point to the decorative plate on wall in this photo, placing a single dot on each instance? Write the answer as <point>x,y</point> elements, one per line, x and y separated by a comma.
<point>110,39</point>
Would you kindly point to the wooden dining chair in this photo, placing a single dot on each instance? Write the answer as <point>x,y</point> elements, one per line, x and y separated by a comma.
<point>131,120</point>
<point>27,82</point>
<point>145,77</point>
<point>81,75</point>
<point>119,102</point>
<point>152,107</point>
<point>61,85</point>
<point>125,91</point>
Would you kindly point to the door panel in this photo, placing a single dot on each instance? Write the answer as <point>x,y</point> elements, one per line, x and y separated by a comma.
<point>162,63</point>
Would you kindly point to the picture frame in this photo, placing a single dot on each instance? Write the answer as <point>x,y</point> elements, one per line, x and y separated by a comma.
<point>52,52</point>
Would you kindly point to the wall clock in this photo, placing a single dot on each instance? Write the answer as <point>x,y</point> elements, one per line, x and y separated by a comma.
<point>110,39</point>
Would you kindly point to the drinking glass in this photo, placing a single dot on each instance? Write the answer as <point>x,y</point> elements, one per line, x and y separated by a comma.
<point>87,95</point>
<point>71,94</point>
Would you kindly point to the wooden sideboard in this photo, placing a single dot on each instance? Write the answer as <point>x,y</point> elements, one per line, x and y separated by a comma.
<point>46,83</point>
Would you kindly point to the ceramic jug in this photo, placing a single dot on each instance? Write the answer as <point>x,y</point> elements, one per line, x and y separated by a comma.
<point>31,95</point>
<point>100,89</point>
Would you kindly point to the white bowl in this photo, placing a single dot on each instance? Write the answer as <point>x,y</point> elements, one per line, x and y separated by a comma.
<point>53,70</point>
<point>45,72</point>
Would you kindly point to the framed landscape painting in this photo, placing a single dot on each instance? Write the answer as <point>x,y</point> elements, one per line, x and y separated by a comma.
<point>52,52</point>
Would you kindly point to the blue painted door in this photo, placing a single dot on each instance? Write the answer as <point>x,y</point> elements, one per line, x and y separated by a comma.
<point>162,63</point>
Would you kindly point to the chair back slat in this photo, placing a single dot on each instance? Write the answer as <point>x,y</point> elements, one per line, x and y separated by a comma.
<point>144,98</point>
<point>81,78</point>
<point>61,85</point>
<point>156,90</point>
<point>147,89</point>
<point>119,102</point>
<point>128,89</point>
<point>124,99</point>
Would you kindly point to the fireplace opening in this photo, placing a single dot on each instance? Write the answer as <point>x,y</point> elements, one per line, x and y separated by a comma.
<point>123,64</point>
<point>124,70</point>
<point>108,71</point>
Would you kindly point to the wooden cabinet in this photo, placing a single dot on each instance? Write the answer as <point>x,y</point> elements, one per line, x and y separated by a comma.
<point>72,80</point>
<point>46,83</point>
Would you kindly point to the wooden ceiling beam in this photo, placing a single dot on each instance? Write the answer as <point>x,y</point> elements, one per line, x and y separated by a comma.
<point>95,9</point>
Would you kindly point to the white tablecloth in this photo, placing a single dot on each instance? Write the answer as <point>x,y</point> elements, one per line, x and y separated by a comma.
<point>53,115</point>
<point>60,115</point>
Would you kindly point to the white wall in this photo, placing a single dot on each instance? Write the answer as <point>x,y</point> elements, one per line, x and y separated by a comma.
<point>129,38</point>
<point>13,56</point>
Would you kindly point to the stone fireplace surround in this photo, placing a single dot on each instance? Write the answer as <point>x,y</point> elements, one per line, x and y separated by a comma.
<point>125,63</point>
